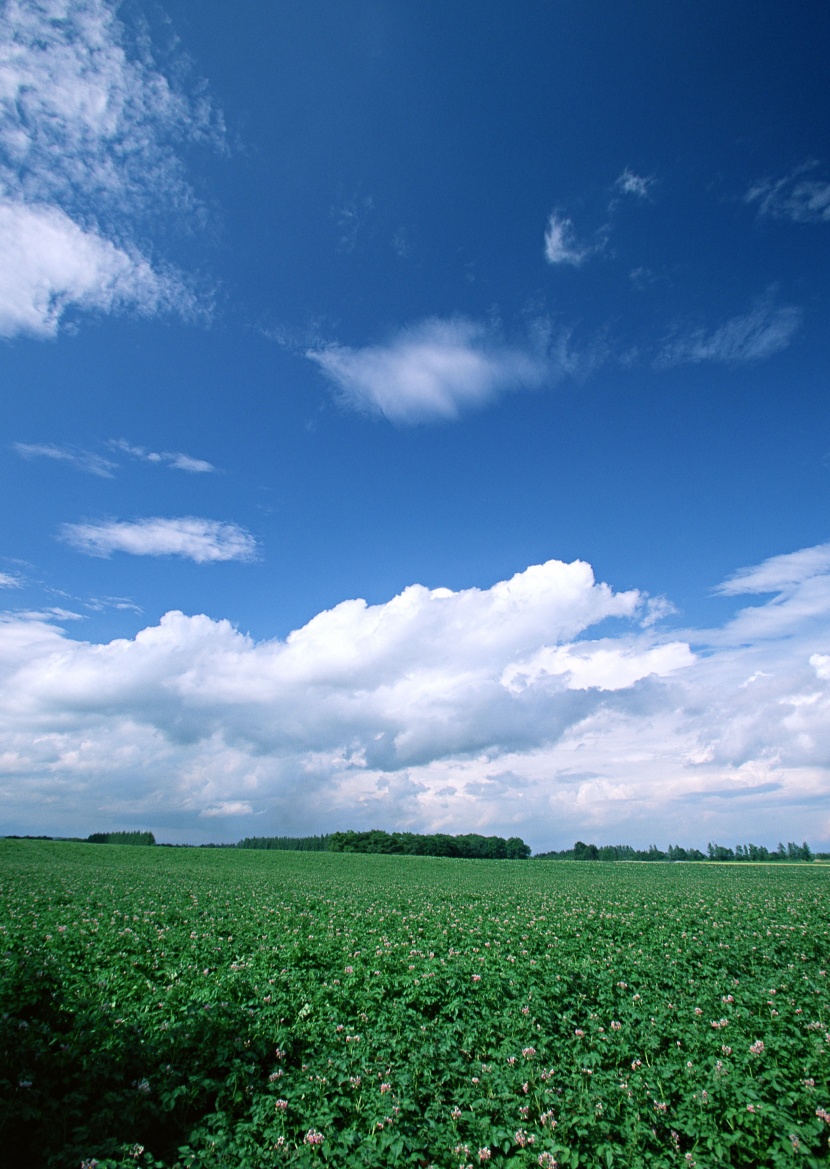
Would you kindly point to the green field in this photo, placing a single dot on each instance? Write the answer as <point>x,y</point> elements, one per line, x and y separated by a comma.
<point>234,1008</point>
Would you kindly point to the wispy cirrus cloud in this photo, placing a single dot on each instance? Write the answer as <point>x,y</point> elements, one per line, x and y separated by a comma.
<point>561,243</point>
<point>431,370</point>
<point>94,464</point>
<point>779,573</point>
<point>201,540</point>
<point>9,580</point>
<point>77,457</point>
<point>88,135</point>
<point>177,460</point>
<point>797,196</point>
<point>632,184</point>
<point>765,330</point>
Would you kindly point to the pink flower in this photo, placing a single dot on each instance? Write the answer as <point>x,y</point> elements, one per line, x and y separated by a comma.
<point>757,1048</point>
<point>313,1137</point>
<point>547,1161</point>
<point>385,1087</point>
<point>484,1154</point>
<point>476,978</point>
<point>615,1026</point>
<point>281,1105</point>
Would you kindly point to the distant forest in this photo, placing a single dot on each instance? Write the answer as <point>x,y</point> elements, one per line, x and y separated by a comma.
<point>287,843</point>
<point>469,845</point>
<point>121,838</point>
<point>714,852</point>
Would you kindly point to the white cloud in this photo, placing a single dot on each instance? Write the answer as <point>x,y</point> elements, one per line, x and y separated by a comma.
<point>632,184</point>
<point>764,330</point>
<point>51,264</point>
<point>87,129</point>
<point>175,459</point>
<point>181,462</point>
<point>9,581</point>
<point>431,370</point>
<point>204,541</point>
<point>76,457</point>
<point>486,709</point>
<point>600,665</point>
<point>795,197</point>
<point>778,573</point>
<point>228,808</point>
<point>561,244</point>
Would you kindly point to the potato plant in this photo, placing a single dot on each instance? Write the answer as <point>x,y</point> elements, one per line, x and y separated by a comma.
<point>200,1008</point>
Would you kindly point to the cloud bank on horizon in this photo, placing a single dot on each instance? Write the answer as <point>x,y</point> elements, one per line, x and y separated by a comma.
<point>547,704</point>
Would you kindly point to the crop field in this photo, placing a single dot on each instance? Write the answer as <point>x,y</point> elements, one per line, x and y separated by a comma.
<point>197,1007</point>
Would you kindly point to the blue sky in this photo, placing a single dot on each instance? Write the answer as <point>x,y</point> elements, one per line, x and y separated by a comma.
<point>415,417</point>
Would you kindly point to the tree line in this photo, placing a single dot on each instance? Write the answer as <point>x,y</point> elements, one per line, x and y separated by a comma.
<point>287,843</point>
<point>120,838</point>
<point>469,845</point>
<point>714,852</point>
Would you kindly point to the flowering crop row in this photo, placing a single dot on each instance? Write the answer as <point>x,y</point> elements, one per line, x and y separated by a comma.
<point>196,1008</point>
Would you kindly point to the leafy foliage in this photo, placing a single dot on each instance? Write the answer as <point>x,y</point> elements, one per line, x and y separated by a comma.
<point>143,838</point>
<point>287,843</point>
<point>195,1008</point>
<point>470,845</point>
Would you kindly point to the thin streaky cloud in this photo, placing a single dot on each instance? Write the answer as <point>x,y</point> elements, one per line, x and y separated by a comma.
<point>795,197</point>
<point>752,336</point>
<point>181,462</point>
<point>228,808</point>
<point>120,604</point>
<point>779,573</point>
<point>75,456</point>
<point>203,541</point>
<point>178,460</point>
<point>9,581</point>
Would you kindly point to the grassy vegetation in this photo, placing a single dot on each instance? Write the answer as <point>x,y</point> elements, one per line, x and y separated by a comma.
<point>242,1008</point>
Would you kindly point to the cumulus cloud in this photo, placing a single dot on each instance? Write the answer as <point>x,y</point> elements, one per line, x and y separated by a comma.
<point>434,369</point>
<point>88,127</point>
<point>797,196</point>
<point>764,330</point>
<point>540,706</point>
<point>204,541</point>
<point>75,456</point>
<point>561,244</point>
